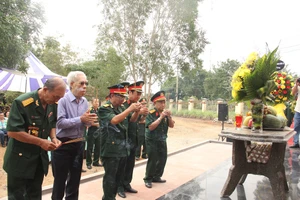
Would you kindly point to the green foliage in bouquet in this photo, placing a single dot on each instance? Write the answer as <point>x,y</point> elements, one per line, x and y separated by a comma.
<point>259,83</point>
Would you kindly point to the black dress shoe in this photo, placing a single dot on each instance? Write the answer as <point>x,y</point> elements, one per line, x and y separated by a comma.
<point>159,180</point>
<point>145,156</point>
<point>89,167</point>
<point>97,165</point>
<point>148,185</point>
<point>130,190</point>
<point>122,194</point>
<point>295,146</point>
<point>83,170</point>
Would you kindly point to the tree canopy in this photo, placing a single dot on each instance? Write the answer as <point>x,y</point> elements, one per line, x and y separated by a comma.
<point>20,25</point>
<point>152,37</point>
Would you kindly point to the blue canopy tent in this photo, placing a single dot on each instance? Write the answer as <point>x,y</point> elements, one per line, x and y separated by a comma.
<point>37,74</point>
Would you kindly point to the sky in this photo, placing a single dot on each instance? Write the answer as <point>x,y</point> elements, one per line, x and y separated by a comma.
<point>234,28</point>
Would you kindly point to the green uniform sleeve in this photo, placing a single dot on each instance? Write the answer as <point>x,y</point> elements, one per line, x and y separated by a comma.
<point>149,120</point>
<point>105,113</point>
<point>16,120</point>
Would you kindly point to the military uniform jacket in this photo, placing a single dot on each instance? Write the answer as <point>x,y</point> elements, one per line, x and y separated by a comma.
<point>113,137</point>
<point>132,128</point>
<point>27,114</point>
<point>161,131</point>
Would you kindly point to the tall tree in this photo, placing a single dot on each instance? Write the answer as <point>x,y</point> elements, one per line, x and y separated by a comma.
<point>55,56</point>
<point>152,36</point>
<point>20,24</point>
<point>106,70</point>
<point>220,78</point>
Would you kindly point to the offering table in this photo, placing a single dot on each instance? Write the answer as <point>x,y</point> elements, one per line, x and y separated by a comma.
<point>241,165</point>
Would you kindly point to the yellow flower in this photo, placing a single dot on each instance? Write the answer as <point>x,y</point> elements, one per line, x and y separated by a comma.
<point>251,59</point>
<point>282,86</point>
<point>284,98</point>
<point>237,86</point>
<point>234,94</point>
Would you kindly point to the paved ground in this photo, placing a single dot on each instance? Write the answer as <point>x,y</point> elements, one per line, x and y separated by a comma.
<point>186,132</point>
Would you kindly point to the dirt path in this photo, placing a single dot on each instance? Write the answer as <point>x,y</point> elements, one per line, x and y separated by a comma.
<point>186,132</point>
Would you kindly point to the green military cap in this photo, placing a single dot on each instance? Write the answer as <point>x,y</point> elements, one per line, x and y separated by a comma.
<point>159,96</point>
<point>125,84</point>
<point>137,86</point>
<point>143,100</point>
<point>118,89</point>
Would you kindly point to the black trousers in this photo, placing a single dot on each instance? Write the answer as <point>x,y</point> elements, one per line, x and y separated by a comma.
<point>128,174</point>
<point>157,158</point>
<point>23,189</point>
<point>141,142</point>
<point>114,172</point>
<point>66,167</point>
<point>93,143</point>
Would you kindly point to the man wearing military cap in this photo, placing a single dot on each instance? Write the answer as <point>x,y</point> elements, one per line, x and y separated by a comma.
<point>113,117</point>
<point>32,120</point>
<point>157,123</point>
<point>141,133</point>
<point>134,94</point>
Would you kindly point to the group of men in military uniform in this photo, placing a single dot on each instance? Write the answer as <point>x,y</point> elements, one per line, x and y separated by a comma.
<point>35,113</point>
<point>119,119</point>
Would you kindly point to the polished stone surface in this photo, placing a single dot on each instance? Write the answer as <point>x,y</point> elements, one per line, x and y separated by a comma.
<point>271,135</point>
<point>208,185</point>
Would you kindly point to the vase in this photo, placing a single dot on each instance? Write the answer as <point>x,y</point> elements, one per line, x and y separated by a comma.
<point>257,115</point>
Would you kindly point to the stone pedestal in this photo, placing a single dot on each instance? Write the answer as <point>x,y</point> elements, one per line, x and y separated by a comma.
<point>191,103</point>
<point>203,105</point>
<point>273,169</point>
<point>179,105</point>
<point>171,105</point>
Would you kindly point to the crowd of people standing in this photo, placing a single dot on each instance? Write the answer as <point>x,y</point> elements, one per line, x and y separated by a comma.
<point>117,134</point>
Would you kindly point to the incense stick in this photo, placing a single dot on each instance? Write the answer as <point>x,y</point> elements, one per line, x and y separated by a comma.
<point>74,140</point>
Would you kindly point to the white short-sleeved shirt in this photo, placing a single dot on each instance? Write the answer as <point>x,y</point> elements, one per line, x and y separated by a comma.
<point>297,107</point>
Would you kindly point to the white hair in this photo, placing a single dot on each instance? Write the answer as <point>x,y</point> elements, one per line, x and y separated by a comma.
<point>72,76</point>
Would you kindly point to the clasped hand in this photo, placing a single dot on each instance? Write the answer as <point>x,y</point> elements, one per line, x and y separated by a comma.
<point>88,118</point>
<point>135,107</point>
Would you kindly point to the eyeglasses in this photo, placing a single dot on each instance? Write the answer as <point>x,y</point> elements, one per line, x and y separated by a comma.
<point>83,82</point>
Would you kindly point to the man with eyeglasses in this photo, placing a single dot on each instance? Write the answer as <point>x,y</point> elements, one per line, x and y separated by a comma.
<point>72,119</point>
<point>31,122</point>
<point>114,138</point>
<point>134,94</point>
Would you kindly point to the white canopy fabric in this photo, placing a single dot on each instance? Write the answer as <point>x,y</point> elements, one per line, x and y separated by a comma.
<point>37,75</point>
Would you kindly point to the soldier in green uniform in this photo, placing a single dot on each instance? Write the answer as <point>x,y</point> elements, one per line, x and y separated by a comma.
<point>32,120</point>
<point>141,149</point>
<point>93,139</point>
<point>114,139</point>
<point>157,123</point>
<point>134,94</point>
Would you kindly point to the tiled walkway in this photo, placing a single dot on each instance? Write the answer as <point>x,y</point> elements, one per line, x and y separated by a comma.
<point>181,168</point>
<point>197,173</point>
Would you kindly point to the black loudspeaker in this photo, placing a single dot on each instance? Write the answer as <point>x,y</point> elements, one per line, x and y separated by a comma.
<point>222,112</point>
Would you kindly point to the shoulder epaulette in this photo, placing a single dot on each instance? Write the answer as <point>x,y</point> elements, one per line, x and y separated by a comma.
<point>152,111</point>
<point>28,101</point>
<point>106,105</point>
<point>91,109</point>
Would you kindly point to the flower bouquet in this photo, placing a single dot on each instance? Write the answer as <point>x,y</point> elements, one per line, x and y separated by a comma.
<point>284,84</point>
<point>282,92</point>
<point>254,81</point>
